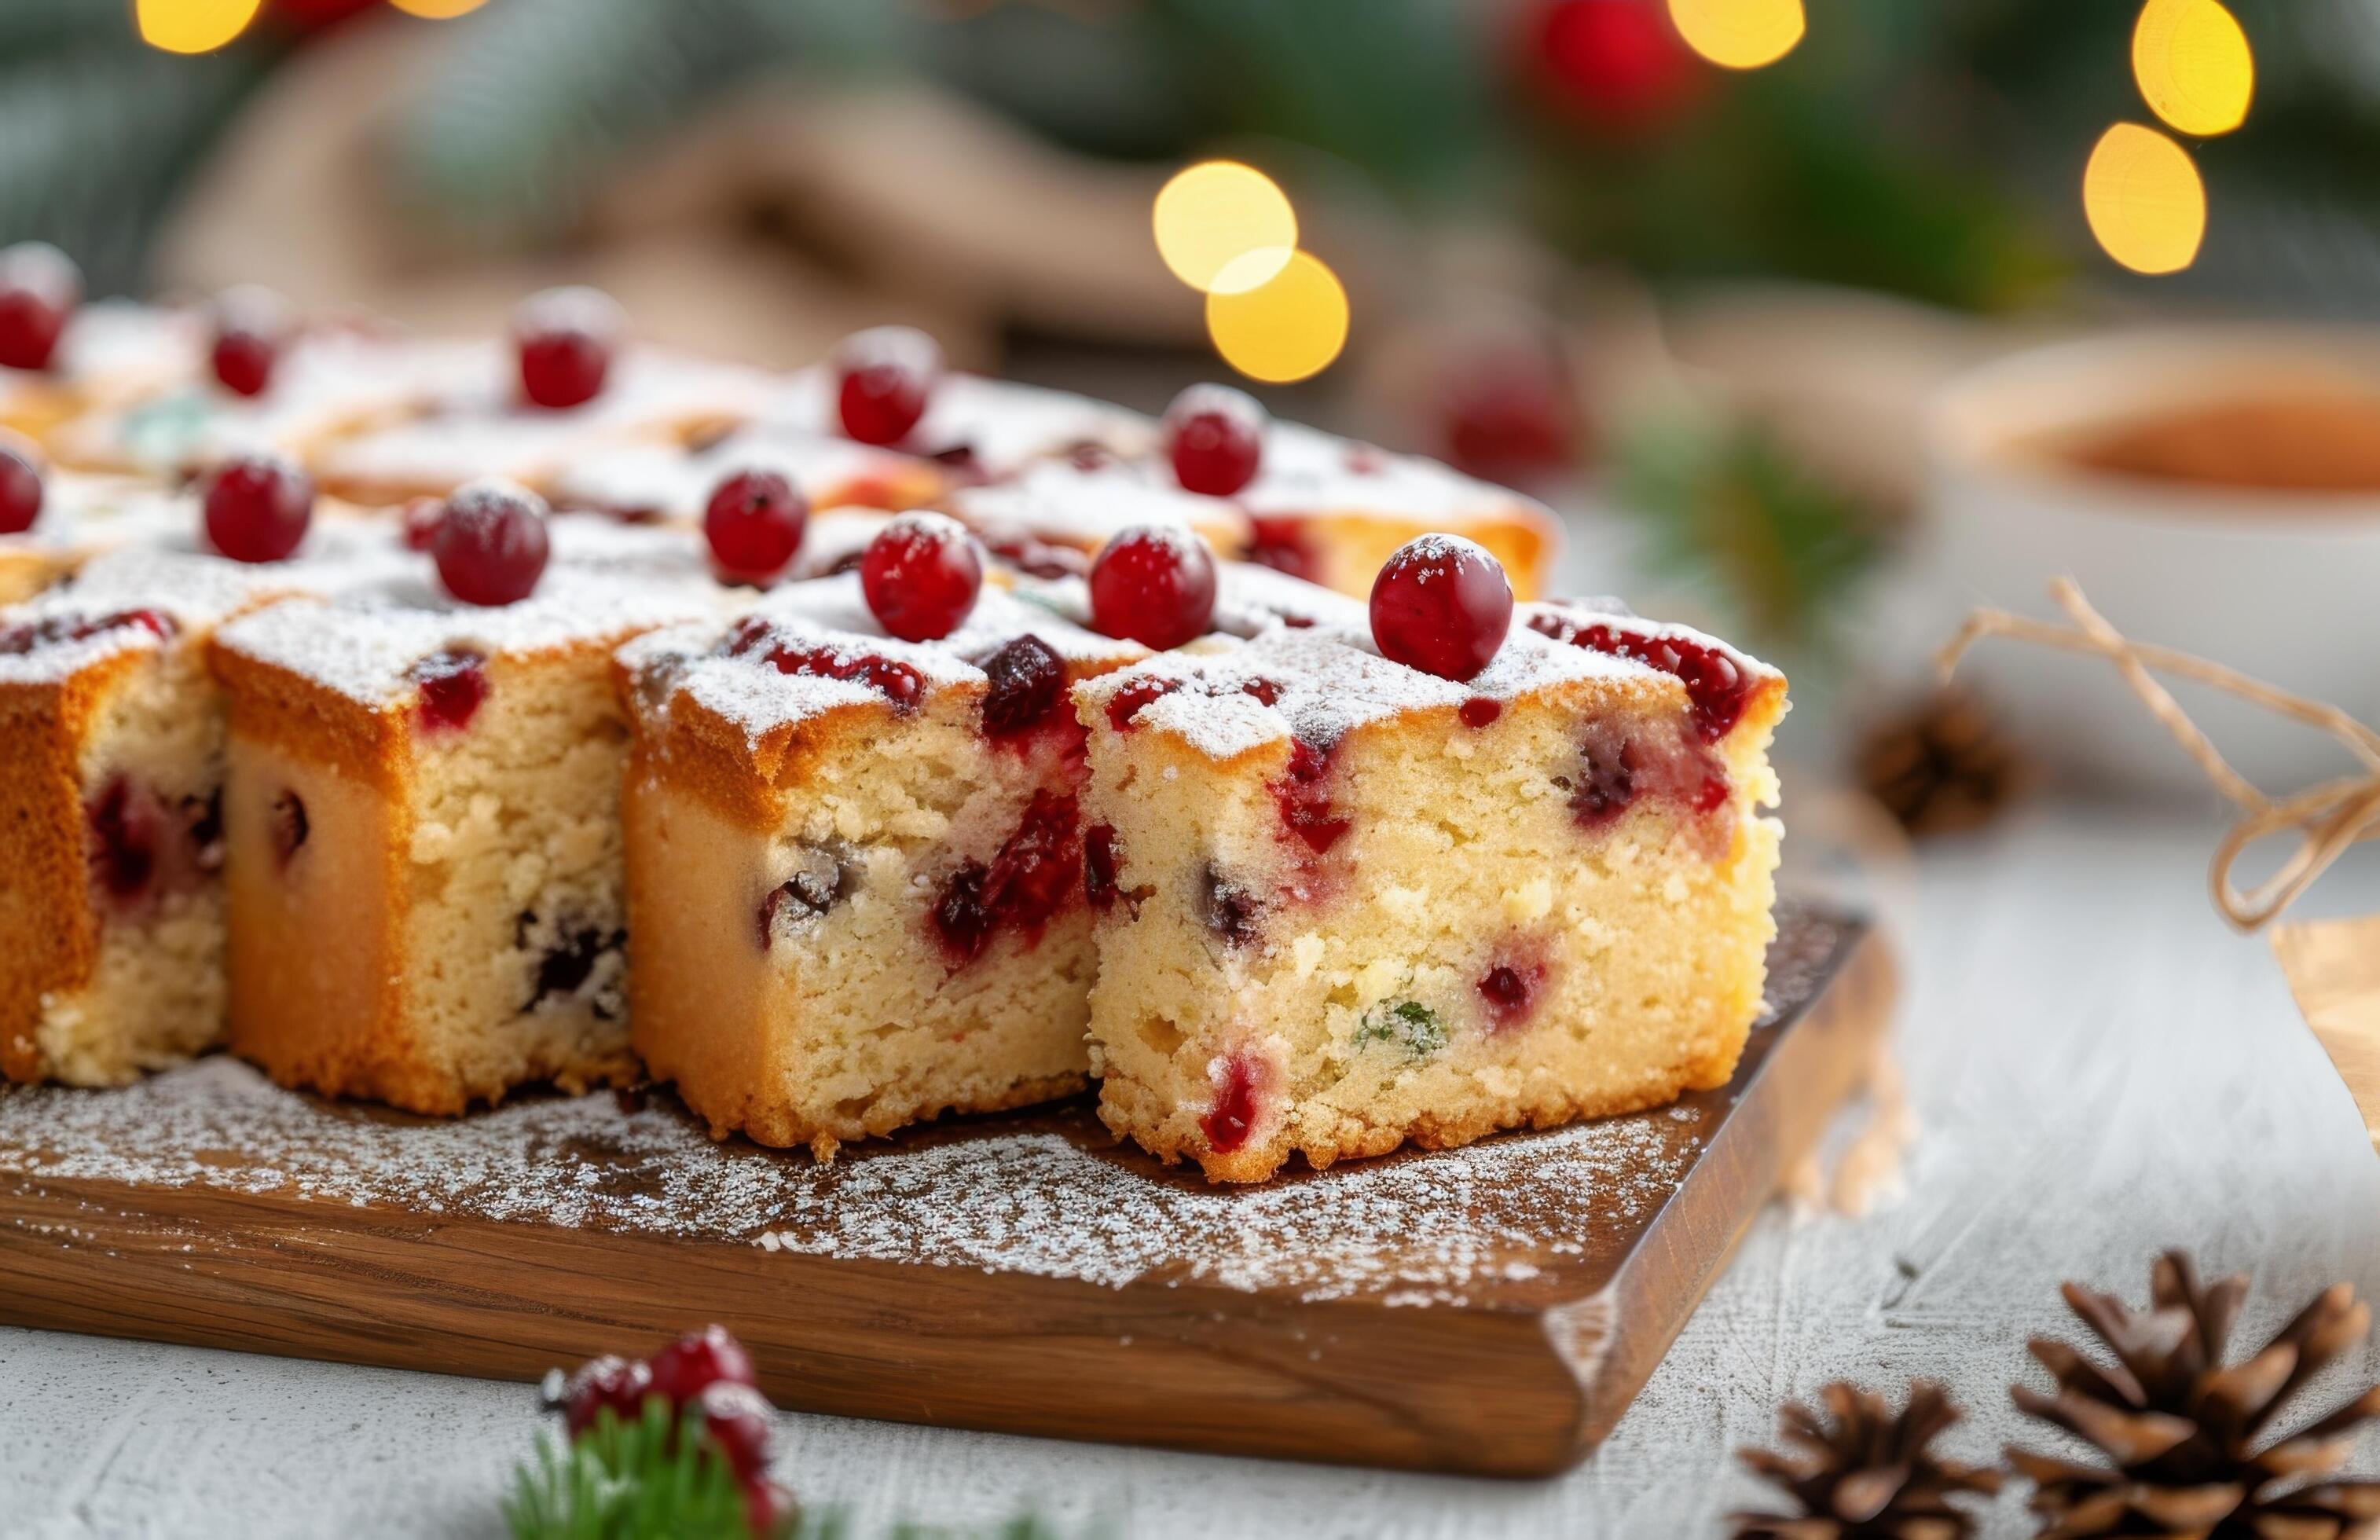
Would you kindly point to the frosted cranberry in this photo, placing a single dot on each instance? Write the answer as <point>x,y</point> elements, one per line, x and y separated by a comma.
<point>1717,689</point>
<point>735,1419</point>
<point>421,522</point>
<point>20,490</point>
<point>1233,1116</point>
<point>1303,795</point>
<point>697,1360</point>
<point>1479,712</point>
<point>251,325</point>
<point>258,507</point>
<point>290,826</point>
<point>565,338</point>
<point>921,575</point>
<point>1282,545</point>
<point>1226,908</point>
<point>1441,605</point>
<point>883,379</point>
<point>451,685</point>
<point>125,826</point>
<point>491,544</point>
<point>1153,586</point>
<point>604,1384</point>
<point>754,522</point>
<point>1102,860</point>
<point>1264,690</point>
<point>1215,437</point>
<point>39,288</point>
<point>1027,681</point>
<point>903,685</point>
<point>1128,701</point>
<point>1509,991</point>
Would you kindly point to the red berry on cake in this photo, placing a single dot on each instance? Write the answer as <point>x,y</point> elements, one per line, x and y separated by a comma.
<point>697,1360</point>
<point>39,288</point>
<point>567,337</point>
<point>921,575</point>
<point>608,1383</point>
<point>754,522</point>
<point>1441,604</point>
<point>1154,585</point>
<point>491,544</point>
<point>20,486</point>
<point>251,322</point>
<point>258,507</point>
<point>1215,437</point>
<point>883,377</point>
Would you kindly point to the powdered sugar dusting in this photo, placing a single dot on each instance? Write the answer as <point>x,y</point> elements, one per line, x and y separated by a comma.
<point>1061,502</point>
<point>1309,471</point>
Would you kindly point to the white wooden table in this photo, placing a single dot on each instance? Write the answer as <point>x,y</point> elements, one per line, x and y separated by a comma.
<point>2101,1070</point>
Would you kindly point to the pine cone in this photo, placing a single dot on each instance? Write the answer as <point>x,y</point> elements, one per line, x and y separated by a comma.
<point>1940,764</point>
<point>2186,1436</point>
<point>1868,1472</point>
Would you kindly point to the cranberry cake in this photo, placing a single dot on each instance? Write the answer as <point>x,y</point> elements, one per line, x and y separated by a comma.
<point>1344,903</point>
<point>421,831</point>
<point>856,863</point>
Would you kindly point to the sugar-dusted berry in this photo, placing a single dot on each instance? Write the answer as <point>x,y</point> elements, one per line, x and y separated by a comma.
<point>1441,604</point>
<point>491,544</point>
<point>883,379</point>
<point>567,337</point>
<point>20,485</point>
<point>754,522</point>
<point>39,288</point>
<point>1214,435</point>
<point>251,324</point>
<point>921,575</point>
<point>1154,585</point>
<point>258,507</point>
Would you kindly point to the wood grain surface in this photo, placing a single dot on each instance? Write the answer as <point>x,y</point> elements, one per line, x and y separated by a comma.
<point>1502,1331</point>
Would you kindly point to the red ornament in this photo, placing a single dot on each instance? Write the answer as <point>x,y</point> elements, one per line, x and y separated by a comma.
<point>921,575</point>
<point>490,545</point>
<point>1153,586</point>
<point>258,507</point>
<point>883,379</point>
<point>1441,605</point>
<point>754,522</point>
<point>1618,63</point>
<point>567,337</point>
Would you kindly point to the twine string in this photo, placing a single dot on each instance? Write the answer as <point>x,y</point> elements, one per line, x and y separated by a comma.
<point>2328,818</point>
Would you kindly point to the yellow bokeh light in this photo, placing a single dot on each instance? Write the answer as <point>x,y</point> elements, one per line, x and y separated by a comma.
<point>1740,34</point>
<point>1222,216</point>
<point>192,26</point>
<point>2144,199</point>
<point>1288,327</point>
<point>438,10</point>
<point>2193,65</point>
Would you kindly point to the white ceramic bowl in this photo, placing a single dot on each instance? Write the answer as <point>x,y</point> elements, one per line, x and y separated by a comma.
<point>2283,586</point>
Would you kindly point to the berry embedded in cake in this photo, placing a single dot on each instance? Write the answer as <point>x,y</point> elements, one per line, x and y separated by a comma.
<point>1346,904</point>
<point>421,830</point>
<point>856,864</point>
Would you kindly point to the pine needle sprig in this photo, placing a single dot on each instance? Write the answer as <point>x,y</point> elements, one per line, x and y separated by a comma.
<point>654,1478</point>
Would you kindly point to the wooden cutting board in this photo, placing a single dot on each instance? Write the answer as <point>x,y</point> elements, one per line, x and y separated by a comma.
<point>1490,1310</point>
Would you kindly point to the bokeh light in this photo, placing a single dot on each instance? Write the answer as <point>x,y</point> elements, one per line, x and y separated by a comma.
<point>438,10</point>
<point>1220,217</point>
<point>1740,34</point>
<point>192,26</point>
<point>2193,65</point>
<point>1285,328</point>
<point>2144,199</point>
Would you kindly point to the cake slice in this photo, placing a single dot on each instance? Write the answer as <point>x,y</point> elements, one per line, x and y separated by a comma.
<point>422,831</point>
<point>855,864</point>
<point>1344,904</point>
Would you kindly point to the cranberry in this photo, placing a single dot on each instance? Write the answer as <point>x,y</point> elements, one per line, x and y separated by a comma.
<point>453,684</point>
<point>1102,861</point>
<point>883,377</point>
<point>963,916</point>
<point>490,545</point>
<point>921,575</point>
<point>21,488</point>
<point>1233,1115</point>
<point>1026,883</point>
<point>1264,690</point>
<point>1226,909</point>
<point>1509,991</point>
<point>1441,605</point>
<point>1127,702</point>
<point>1609,762</point>
<point>564,968</point>
<point>604,1384</point>
<point>1716,689</point>
<point>697,1360</point>
<point>421,522</point>
<point>805,894</point>
<point>258,507</point>
<point>754,522</point>
<point>39,288</point>
<point>736,1420</point>
<point>1026,683</point>
<point>1304,799</point>
<point>290,826</point>
<point>1281,544</point>
<point>567,337</point>
<point>1479,712</point>
<point>1153,586</point>
<point>251,323</point>
<point>1215,437</point>
<point>903,685</point>
<point>125,827</point>
<point>30,636</point>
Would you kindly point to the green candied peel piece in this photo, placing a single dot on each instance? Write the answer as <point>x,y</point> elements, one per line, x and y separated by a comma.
<point>1412,1026</point>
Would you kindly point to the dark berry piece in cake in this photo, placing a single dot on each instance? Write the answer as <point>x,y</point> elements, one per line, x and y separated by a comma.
<point>1264,690</point>
<point>828,877</point>
<point>453,684</point>
<point>1126,702</point>
<point>491,544</point>
<point>1214,435</point>
<point>921,575</point>
<point>1040,866</point>
<point>754,522</point>
<point>699,1360</point>
<point>1479,712</point>
<point>1226,909</point>
<point>563,967</point>
<point>20,489</point>
<point>125,823</point>
<point>1717,688</point>
<point>1233,1116</point>
<point>1103,865</point>
<point>962,917</point>
<point>31,635</point>
<point>1509,991</point>
<point>1283,545</point>
<point>1441,604</point>
<point>39,288</point>
<point>1154,586</point>
<point>251,325</point>
<point>897,682</point>
<point>883,379</point>
<point>1302,793</point>
<point>1618,767</point>
<point>567,337</point>
<point>608,1384</point>
<point>290,826</point>
<point>206,829</point>
<point>1027,682</point>
<point>258,507</point>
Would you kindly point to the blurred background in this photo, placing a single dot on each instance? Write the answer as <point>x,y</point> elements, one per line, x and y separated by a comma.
<point>1817,323</point>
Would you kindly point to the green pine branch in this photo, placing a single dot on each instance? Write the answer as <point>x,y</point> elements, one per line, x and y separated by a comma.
<point>649,1479</point>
